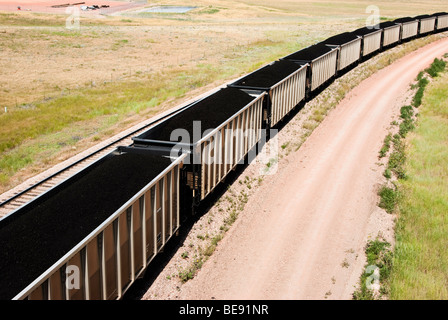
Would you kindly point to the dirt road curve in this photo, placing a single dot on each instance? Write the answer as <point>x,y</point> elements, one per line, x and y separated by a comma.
<point>302,234</point>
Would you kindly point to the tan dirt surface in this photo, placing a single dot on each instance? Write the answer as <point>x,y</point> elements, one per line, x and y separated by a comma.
<point>303,231</point>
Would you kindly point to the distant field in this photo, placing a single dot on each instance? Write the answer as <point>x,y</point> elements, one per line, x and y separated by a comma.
<point>65,90</point>
<point>355,8</point>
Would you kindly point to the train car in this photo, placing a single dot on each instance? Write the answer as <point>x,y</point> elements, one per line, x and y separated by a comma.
<point>371,40</point>
<point>217,132</point>
<point>391,34</point>
<point>285,84</point>
<point>409,28</point>
<point>92,235</point>
<point>426,24</point>
<point>322,62</point>
<point>442,21</point>
<point>349,46</point>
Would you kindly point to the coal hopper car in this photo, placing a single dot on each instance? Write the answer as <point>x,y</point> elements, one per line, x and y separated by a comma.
<point>217,132</point>
<point>321,61</point>
<point>426,24</point>
<point>93,235</point>
<point>285,84</point>
<point>371,40</point>
<point>409,28</point>
<point>391,34</point>
<point>349,49</point>
<point>442,21</point>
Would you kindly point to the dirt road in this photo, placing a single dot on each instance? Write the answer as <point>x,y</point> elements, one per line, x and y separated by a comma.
<point>302,234</point>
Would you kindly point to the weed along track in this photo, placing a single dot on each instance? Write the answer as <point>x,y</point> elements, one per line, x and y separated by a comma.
<point>111,218</point>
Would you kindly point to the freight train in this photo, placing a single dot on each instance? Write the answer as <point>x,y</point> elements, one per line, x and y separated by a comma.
<point>91,236</point>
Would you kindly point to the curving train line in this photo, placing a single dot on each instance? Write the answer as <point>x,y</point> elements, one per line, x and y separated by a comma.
<point>90,230</point>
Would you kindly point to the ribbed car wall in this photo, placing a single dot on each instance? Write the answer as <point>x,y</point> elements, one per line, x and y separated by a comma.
<point>117,254</point>
<point>323,69</point>
<point>372,43</point>
<point>349,53</point>
<point>287,94</point>
<point>228,145</point>
<point>391,35</point>
<point>442,22</point>
<point>427,25</point>
<point>409,30</point>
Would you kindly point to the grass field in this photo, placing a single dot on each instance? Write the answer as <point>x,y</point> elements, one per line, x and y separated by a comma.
<point>65,90</point>
<point>420,266</point>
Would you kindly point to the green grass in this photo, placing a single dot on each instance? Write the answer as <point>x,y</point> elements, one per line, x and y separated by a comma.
<point>386,146</point>
<point>408,123</point>
<point>207,10</point>
<point>378,256</point>
<point>436,67</point>
<point>397,158</point>
<point>387,174</point>
<point>422,83</point>
<point>388,198</point>
<point>413,197</point>
<point>420,260</point>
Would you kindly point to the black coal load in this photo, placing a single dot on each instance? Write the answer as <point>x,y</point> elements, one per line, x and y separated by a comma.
<point>211,111</point>
<point>39,234</point>
<point>386,24</point>
<point>269,75</point>
<point>310,53</point>
<point>423,16</point>
<point>366,31</point>
<point>341,39</point>
<point>439,14</point>
<point>405,20</point>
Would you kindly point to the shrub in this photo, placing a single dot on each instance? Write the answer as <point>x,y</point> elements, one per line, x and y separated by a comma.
<point>405,127</point>
<point>406,112</point>
<point>386,146</point>
<point>436,67</point>
<point>378,254</point>
<point>417,101</point>
<point>388,198</point>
